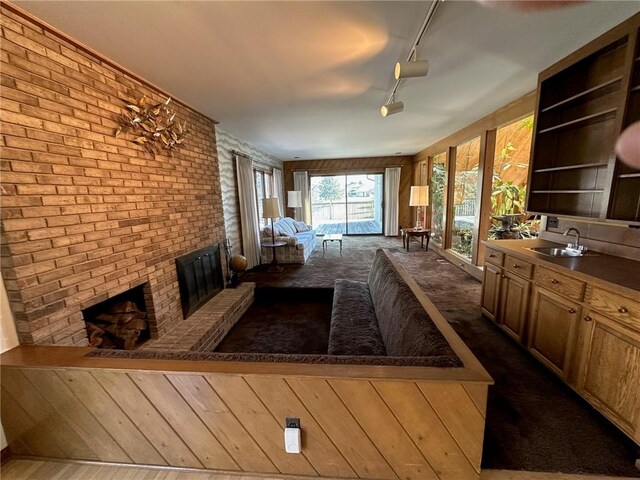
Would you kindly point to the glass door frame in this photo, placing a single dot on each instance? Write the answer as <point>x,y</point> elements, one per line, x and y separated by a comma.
<point>346,175</point>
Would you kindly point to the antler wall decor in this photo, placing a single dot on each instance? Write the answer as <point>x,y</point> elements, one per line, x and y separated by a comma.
<point>155,125</point>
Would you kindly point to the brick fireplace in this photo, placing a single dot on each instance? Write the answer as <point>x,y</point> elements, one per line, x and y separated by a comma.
<point>87,216</point>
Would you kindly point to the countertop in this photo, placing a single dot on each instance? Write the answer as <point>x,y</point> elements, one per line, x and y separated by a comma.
<point>612,270</point>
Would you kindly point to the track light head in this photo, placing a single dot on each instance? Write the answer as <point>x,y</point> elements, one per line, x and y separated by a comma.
<point>415,68</point>
<point>391,108</point>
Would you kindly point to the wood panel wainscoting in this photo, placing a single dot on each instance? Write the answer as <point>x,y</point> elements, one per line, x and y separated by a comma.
<point>56,403</point>
<point>358,421</point>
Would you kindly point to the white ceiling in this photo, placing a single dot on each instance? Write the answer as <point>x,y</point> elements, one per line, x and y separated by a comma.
<point>306,79</point>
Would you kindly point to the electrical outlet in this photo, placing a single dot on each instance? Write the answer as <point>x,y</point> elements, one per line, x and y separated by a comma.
<point>292,422</point>
<point>552,222</point>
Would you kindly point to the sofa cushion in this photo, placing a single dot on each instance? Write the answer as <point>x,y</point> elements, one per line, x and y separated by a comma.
<point>406,328</point>
<point>287,225</point>
<point>302,227</point>
<point>354,329</point>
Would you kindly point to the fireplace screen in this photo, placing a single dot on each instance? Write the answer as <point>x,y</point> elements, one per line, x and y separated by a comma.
<point>200,277</point>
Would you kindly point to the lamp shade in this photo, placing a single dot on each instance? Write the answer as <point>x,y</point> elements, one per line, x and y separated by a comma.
<point>295,199</point>
<point>271,208</point>
<point>419,196</point>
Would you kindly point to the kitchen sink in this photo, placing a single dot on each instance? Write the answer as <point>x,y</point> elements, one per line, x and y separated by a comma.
<point>561,252</point>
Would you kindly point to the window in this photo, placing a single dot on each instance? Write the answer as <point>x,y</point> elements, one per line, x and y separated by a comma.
<point>465,203</point>
<point>438,197</point>
<point>508,190</point>
<point>264,189</point>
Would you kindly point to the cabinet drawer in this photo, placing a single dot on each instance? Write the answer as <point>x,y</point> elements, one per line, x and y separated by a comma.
<point>616,306</point>
<point>559,283</point>
<point>494,256</point>
<point>517,266</point>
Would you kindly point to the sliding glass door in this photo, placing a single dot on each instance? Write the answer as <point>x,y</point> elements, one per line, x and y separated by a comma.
<point>347,204</point>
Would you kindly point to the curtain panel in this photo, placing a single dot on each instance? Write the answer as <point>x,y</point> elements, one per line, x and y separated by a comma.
<point>301,183</point>
<point>278,188</point>
<point>249,223</point>
<point>391,204</point>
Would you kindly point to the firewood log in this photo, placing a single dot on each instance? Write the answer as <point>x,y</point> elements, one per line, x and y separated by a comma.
<point>95,334</point>
<point>125,306</point>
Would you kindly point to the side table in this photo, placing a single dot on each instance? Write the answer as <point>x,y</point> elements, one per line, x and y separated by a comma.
<point>274,262</point>
<point>407,233</point>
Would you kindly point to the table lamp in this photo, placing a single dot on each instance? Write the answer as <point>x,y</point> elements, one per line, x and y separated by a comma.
<point>295,200</point>
<point>419,198</point>
<point>271,210</point>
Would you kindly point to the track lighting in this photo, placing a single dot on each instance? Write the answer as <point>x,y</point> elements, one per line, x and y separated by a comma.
<point>391,108</point>
<point>414,68</point>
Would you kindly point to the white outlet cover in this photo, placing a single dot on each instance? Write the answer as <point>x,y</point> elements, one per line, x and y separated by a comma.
<point>292,440</point>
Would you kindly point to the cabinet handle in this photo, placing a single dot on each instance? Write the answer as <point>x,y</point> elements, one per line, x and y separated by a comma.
<point>623,310</point>
<point>492,255</point>
<point>515,265</point>
<point>497,273</point>
<point>504,276</point>
<point>554,281</point>
<point>572,310</point>
<point>587,318</point>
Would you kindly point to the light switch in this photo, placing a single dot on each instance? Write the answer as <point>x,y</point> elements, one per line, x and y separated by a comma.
<point>292,440</point>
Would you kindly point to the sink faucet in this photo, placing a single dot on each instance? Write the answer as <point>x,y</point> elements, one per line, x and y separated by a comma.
<point>576,246</point>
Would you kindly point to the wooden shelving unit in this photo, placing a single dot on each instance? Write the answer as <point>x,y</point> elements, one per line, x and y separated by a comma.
<point>625,190</point>
<point>582,103</point>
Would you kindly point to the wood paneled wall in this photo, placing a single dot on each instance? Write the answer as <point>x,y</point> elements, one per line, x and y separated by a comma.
<point>344,166</point>
<point>352,428</point>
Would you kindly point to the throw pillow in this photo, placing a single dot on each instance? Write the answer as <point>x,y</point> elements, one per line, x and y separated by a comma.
<point>302,227</point>
<point>287,227</point>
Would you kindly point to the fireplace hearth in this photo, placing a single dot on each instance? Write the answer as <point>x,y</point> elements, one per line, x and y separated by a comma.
<point>118,323</point>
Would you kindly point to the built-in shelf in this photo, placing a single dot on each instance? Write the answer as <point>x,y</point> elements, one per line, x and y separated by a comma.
<point>629,175</point>
<point>567,191</point>
<point>582,94</point>
<point>569,167</point>
<point>578,120</point>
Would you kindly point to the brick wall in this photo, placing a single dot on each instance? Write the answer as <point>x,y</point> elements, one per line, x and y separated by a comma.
<point>86,216</point>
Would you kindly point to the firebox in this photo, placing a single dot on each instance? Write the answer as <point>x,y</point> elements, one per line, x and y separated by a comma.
<point>119,322</point>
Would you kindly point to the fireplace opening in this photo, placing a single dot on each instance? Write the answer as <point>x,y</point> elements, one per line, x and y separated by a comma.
<point>120,322</point>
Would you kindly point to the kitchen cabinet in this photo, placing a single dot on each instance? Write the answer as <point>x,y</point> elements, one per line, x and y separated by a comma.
<point>491,291</point>
<point>553,329</point>
<point>584,331</point>
<point>584,102</point>
<point>514,300</point>
<point>609,370</point>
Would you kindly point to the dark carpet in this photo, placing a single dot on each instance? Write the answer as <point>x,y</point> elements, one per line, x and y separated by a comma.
<point>534,421</point>
<point>290,320</point>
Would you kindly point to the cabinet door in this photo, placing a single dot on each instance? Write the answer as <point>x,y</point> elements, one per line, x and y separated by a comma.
<point>609,375</point>
<point>491,291</point>
<point>514,300</point>
<point>553,330</point>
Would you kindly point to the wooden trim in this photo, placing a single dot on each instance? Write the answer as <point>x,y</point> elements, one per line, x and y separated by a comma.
<point>480,196</point>
<point>450,192</point>
<point>519,108</point>
<point>486,184</point>
<point>102,59</point>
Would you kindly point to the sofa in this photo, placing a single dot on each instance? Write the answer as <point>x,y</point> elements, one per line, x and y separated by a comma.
<point>383,317</point>
<point>299,237</point>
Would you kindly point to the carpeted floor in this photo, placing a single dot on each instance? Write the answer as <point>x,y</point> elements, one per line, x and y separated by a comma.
<point>534,421</point>
<point>284,320</point>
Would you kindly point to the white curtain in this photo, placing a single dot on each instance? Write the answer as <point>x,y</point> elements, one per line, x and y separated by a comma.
<point>278,188</point>
<point>391,206</point>
<point>301,183</point>
<point>248,211</point>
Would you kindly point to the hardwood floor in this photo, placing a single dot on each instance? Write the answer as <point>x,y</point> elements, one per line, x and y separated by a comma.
<point>27,469</point>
